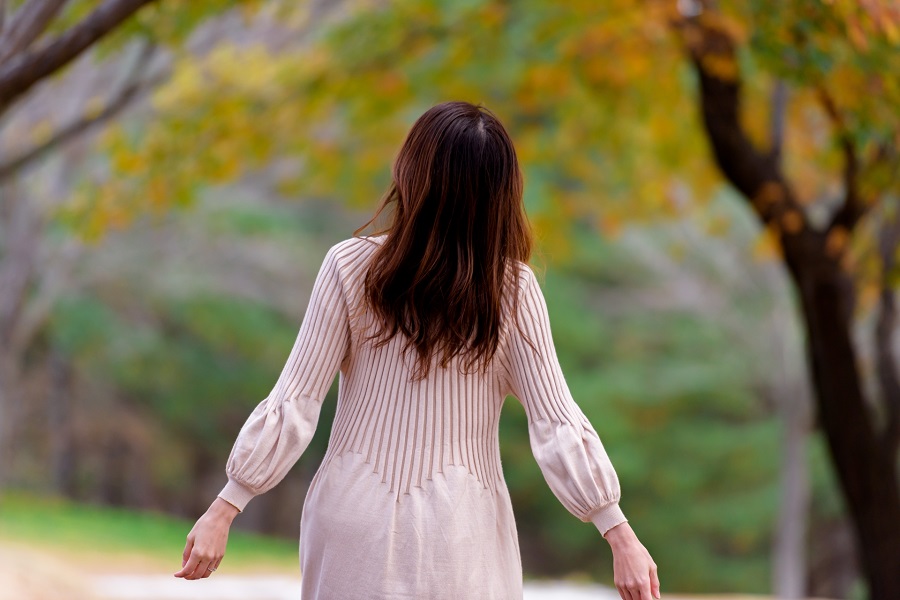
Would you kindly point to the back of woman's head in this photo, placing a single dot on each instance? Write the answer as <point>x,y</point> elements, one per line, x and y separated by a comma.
<point>459,228</point>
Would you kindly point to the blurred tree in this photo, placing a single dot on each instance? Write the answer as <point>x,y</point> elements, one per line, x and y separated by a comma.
<point>72,49</point>
<point>27,56</point>
<point>842,56</point>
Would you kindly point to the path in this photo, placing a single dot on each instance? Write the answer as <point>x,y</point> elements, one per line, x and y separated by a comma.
<point>28,574</point>
<point>238,587</point>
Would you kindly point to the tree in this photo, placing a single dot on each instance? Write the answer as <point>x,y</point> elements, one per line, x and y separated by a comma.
<point>25,59</point>
<point>864,451</point>
<point>53,43</point>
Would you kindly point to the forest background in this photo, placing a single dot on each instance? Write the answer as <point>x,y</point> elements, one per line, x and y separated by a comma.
<point>713,186</point>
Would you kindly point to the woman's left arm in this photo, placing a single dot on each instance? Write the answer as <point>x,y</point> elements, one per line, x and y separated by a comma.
<point>565,444</point>
<point>631,564</point>
<point>207,540</point>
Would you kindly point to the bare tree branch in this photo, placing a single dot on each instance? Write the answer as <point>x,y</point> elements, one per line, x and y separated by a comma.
<point>18,75</point>
<point>29,22</point>
<point>129,91</point>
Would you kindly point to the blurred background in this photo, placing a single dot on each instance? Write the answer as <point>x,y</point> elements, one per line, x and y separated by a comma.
<point>714,188</point>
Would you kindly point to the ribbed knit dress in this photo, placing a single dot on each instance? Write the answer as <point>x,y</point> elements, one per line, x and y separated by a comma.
<point>410,500</point>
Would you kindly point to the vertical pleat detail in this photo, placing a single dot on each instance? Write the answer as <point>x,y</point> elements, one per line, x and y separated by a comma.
<point>410,431</point>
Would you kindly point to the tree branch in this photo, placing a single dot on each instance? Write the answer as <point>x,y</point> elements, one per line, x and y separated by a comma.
<point>854,208</point>
<point>886,368</point>
<point>779,105</point>
<point>29,22</point>
<point>18,75</point>
<point>131,89</point>
<point>754,173</point>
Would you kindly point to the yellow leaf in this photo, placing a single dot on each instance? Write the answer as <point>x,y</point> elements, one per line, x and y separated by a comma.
<point>767,246</point>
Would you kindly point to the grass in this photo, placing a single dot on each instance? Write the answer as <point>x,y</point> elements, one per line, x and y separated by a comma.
<point>107,539</point>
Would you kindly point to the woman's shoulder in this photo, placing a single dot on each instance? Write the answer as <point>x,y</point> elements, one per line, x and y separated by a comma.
<point>521,274</point>
<point>355,248</point>
<point>351,256</point>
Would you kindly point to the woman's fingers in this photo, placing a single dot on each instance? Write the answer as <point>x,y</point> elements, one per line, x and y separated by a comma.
<point>206,560</point>
<point>187,551</point>
<point>636,589</point>
<point>189,566</point>
<point>654,581</point>
<point>625,592</point>
<point>196,567</point>
<point>212,566</point>
<point>202,570</point>
<point>209,561</point>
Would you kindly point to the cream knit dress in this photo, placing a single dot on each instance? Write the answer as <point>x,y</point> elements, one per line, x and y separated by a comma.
<point>410,500</point>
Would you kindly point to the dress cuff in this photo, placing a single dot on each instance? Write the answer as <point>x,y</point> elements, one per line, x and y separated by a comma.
<point>236,494</point>
<point>608,517</point>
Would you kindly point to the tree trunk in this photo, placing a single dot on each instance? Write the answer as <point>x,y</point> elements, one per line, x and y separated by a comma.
<point>866,470</point>
<point>789,551</point>
<point>10,415</point>
<point>833,570</point>
<point>59,424</point>
<point>793,401</point>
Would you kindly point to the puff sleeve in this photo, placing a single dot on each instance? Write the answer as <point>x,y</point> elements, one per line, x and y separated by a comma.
<point>280,427</point>
<point>563,441</point>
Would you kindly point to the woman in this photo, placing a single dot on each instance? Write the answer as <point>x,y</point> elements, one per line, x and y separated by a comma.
<point>430,325</point>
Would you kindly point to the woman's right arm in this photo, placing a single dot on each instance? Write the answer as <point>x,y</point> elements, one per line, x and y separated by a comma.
<point>279,429</point>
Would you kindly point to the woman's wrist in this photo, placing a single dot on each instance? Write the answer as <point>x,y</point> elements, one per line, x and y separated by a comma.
<point>620,534</point>
<point>223,509</point>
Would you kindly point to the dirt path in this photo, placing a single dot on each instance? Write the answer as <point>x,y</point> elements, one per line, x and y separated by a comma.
<point>34,574</point>
<point>245,587</point>
<point>278,587</point>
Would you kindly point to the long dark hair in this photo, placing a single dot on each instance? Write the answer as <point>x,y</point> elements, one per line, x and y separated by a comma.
<point>443,273</point>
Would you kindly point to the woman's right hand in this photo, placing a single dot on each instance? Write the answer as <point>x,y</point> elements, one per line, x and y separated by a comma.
<point>207,540</point>
<point>634,571</point>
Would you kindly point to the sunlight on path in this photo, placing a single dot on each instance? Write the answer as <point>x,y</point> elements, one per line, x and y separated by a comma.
<point>237,587</point>
<point>32,575</point>
<point>222,587</point>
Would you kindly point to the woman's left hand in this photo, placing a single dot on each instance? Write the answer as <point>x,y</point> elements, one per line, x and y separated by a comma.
<point>207,540</point>
<point>634,571</point>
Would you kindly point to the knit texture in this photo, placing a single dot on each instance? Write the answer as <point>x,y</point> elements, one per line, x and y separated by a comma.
<point>410,500</point>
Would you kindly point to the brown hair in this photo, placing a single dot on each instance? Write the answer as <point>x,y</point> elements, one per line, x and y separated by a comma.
<point>442,274</point>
